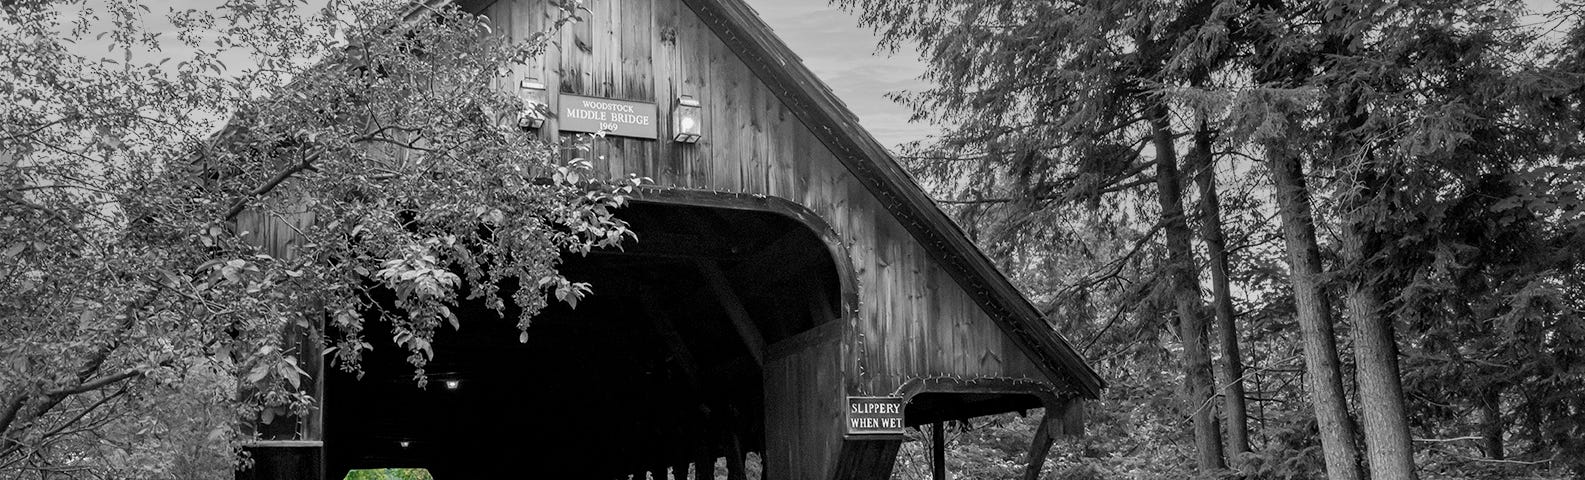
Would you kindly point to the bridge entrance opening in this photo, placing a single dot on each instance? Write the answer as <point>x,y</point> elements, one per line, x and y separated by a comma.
<point>661,367</point>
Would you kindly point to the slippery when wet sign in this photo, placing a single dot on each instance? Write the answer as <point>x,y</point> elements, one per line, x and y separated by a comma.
<point>875,416</point>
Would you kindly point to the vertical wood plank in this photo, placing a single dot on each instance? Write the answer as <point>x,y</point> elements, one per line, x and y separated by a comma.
<point>637,34</point>
<point>780,155</point>
<point>936,312</point>
<point>667,75</point>
<point>604,20</point>
<point>577,58</point>
<point>552,62</point>
<point>604,17</point>
<point>754,131</point>
<point>577,52</point>
<point>724,117</point>
<point>700,54</point>
<point>528,21</point>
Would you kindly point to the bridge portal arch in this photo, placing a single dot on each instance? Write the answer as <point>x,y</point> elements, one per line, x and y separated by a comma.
<point>670,362</point>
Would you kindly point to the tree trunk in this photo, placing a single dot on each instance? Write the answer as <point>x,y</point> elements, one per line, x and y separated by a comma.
<point>1376,358</point>
<point>1382,414</point>
<point>1323,377</point>
<point>1199,384</point>
<point>1491,422</point>
<point>1234,408</point>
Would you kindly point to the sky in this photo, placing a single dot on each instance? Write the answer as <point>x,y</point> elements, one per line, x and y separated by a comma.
<point>838,51</point>
<point>829,41</point>
<point>844,55</point>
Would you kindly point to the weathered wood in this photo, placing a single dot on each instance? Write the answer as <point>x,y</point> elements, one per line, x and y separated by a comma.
<point>938,451</point>
<point>808,338</point>
<point>804,398</point>
<point>704,468</point>
<point>1036,459</point>
<point>918,302</point>
<point>879,177</point>
<point>735,470</point>
<point>755,143</point>
<point>866,459</point>
<point>1072,420</point>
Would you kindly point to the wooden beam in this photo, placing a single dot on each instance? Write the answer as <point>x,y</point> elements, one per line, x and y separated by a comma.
<point>773,257</point>
<point>938,451</point>
<point>866,459</point>
<point>661,322</point>
<point>797,343</point>
<point>704,467</point>
<point>1040,447</point>
<point>735,470</point>
<point>1073,418</point>
<point>746,329</point>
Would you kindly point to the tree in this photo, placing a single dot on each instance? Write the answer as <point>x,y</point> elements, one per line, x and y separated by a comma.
<point>1372,120</point>
<point>128,281</point>
<point>1278,75</point>
<point>1056,104</point>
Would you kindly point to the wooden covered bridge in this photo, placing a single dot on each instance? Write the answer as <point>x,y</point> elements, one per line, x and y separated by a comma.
<point>795,294</point>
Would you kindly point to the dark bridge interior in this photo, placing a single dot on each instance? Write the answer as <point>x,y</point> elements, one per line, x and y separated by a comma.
<point>660,367</point>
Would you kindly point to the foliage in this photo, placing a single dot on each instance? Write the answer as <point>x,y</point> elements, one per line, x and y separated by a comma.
<point>390,474</point>
<point>147,271</point>
<point>1449,130</point>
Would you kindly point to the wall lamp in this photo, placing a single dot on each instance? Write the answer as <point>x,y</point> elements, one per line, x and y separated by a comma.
<point>534,94</point>
<point>685,120</point>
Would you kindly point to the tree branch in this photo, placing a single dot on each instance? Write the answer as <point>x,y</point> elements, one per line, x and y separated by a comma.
<point>1444,440</point>
<point>82,414</point>
<point>242,203</point>
<point>10,413</point>
<point>96,384</point>
<point>65,222</point>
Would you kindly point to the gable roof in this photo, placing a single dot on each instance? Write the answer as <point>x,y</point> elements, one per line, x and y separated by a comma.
<point>780,69</point>
<point>741,29</point>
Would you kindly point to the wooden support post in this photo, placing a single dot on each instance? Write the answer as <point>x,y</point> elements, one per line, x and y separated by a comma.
<point>734,309</point>
<point>735,469</point>
<point>704,467</point>
<point>938,450</point>
<point>1041,446</point>
<point>1072,418</point>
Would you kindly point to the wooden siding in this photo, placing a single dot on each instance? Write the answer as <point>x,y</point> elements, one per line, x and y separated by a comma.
<point>802,437</point>
<point>913,319</point>
<point>274,230</point>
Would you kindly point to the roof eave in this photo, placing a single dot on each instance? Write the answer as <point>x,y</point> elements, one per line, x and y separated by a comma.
<point>775,64</point>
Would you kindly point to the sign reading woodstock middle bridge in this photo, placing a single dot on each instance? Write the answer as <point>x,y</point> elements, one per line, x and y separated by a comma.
<point>615,117</point>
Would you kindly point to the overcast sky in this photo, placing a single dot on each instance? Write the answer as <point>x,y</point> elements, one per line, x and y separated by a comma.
<point>830,42</point>
<point>844,55</point>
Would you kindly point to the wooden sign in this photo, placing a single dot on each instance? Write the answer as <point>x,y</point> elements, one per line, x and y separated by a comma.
<point>875,415</point>
<point>615,117</point>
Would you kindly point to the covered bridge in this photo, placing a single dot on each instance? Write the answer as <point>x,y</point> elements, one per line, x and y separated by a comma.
<point>795,294</point>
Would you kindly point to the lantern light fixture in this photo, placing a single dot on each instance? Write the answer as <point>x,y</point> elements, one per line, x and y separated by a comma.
<point>537,100</point>
<point>453,384</point>
<point>686,120</point>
